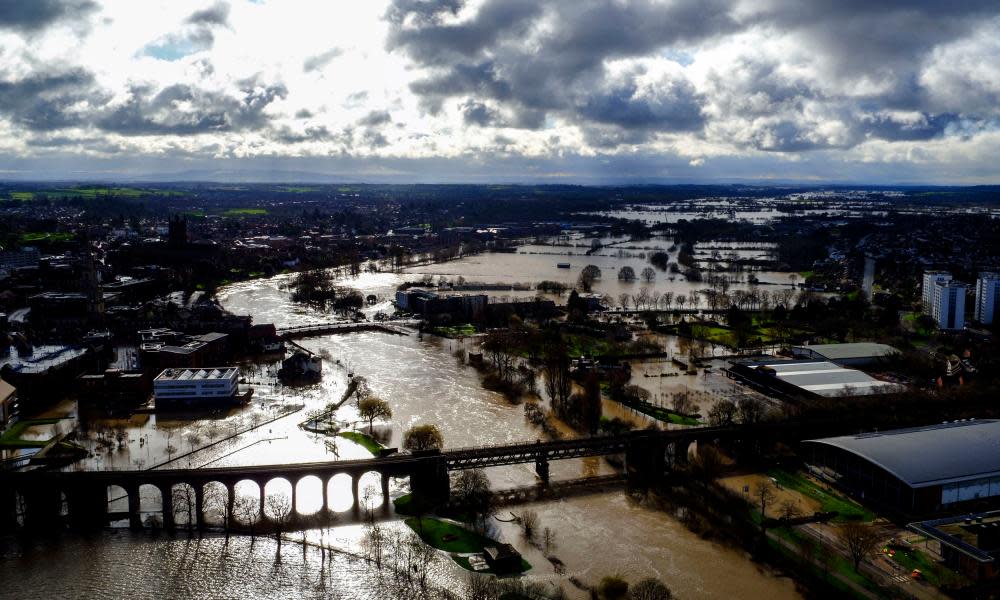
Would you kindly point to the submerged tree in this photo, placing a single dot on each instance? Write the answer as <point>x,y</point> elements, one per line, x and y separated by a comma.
<point>423,437</point>
<point>372,408</point>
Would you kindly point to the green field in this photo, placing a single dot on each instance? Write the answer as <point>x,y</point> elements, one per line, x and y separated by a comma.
<point>244,212</point>
<point>847,509</point>
<point>33,237</point>
<point>362,439</point>
<point>12,437</point>
<point>88,192</point>
<point>585,345</point>
<point>301,189</point>
<point>837,564</point>
<point>453,538</point>
<point>455,331</point>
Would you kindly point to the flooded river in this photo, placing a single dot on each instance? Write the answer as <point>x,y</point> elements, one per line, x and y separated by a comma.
<point>595,535</point>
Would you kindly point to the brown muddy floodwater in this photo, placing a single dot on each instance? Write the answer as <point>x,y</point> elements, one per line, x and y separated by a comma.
<point>595,535</point>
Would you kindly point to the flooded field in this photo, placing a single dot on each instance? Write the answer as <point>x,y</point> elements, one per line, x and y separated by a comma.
<point>424,383</point>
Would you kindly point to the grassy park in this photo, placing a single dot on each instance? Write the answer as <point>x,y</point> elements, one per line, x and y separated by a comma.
<point>453,538</point>
<point>363,439</point>
<point>829,500</point>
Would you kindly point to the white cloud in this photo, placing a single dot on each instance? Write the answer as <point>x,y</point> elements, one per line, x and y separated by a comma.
<point>759,82</point>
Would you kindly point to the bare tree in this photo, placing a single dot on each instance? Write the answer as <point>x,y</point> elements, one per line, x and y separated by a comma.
<point>217,501</point>
<point>623,299</point>
<point>529,524</point>
<point>860,540</point>
<point>750,410</point>
<point>184,503</point>
<point>650,589</point>
<point>789,509</point>
<point>280,507</point>
<point>723,413</point>
<point>667,299</point>
<point>470,491</point>
<point>764,496</point>
<point>247,508</point>
<point>649,275</point>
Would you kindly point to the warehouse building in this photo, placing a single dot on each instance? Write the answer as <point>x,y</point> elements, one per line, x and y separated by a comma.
<point>849,355</point>
<point>917,471</point>
<point>798,379</point>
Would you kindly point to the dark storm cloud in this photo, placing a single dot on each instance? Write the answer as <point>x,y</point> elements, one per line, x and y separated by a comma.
<point>318,133</point>
<point>530,58</point>
<point>477,113</point>
<point>183,109</point>
<point>675,107</point>
<point>197,34</point>
<point>375,118</point>
<point>317,62</point>
<point>49,101</point>
<point>217,14</point>
<point>925,128</point>
<point>502,53</point>
<point>34,15</point>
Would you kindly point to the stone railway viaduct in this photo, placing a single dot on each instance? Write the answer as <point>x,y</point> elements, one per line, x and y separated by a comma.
<point>45,498</point>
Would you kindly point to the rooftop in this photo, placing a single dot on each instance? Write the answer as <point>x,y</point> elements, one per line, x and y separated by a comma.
<point>931,455</point>
<point>825,378</point>
<point>854,350</point>
<point>197,374</point>
<point>41,358</point>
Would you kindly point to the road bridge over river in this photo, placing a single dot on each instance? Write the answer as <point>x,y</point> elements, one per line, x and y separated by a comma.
<point>317,329</point>
<point>43,498</point>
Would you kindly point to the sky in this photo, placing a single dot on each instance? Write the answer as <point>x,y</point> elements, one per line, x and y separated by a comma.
<point>561,91</point>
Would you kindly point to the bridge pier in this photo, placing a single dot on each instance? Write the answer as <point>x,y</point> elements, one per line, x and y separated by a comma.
<point>87,506</point>
<point>8,510</point>
<point>429,482</point>
<point>134,515</point>
<point>167,503</point>
<point>542,467</point>
<point>263,496</point>
<point>644,462</point>
<point>295,497</point>
<point>42,507</point>
<point>230,504</point>
<point>355,482</point>
<point>199,505</point>
<point>385,492</point>
<point>326,493</point>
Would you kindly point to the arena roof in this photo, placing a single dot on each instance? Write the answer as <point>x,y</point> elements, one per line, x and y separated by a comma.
<point>931,455</point>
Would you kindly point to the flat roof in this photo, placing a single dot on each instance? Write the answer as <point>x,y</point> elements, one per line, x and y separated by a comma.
<point>196,374</point>
<point>960,532</point>
<point>931,455</point>
<point>42,358</point>
<point>825,378</point>
<point>852,350</point>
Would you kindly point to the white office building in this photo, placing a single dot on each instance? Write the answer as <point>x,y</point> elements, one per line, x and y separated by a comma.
<point>987,290</point>
<point>196,386</point>
<point>927,296</point>
<point>948,308</point>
